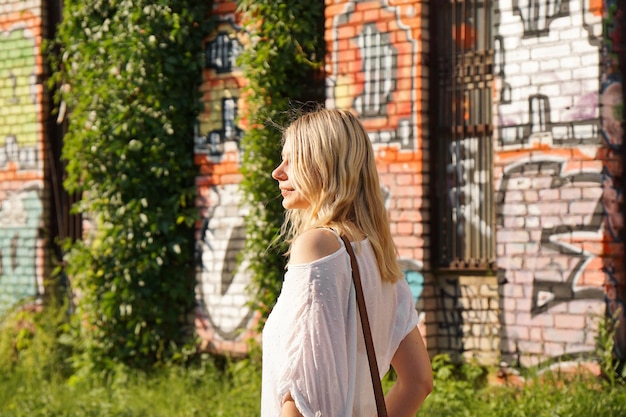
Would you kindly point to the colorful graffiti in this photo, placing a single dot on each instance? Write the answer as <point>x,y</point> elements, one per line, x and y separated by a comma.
<point>550,193</point>
<point>545,98</point>
<point>222,283</point>
<point>21,177</point>
<point>414,277</point>
<point>20,230</point>
<point>550,232</point>
<point>224,320</point>
<point>18,95</point>
<point>218,131</point>
<point>373,55</point>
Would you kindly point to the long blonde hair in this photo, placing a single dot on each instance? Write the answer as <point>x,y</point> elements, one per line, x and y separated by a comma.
<point>332,164</point>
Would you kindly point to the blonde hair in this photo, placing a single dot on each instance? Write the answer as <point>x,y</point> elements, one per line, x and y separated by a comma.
<point>332,164</point>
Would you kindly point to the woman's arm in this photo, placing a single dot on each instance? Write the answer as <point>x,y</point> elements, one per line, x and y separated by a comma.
<point>414,383</point>
<point>308,247</point>
<point>415,377</point>
<point>289,407</point>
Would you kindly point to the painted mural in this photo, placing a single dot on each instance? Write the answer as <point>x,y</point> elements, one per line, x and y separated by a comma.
<point>558,113</point>
<point>223,311</point>
<point>224,320</point>
<point>372,66</point>
<point>18,92</point>
<point>218,131</point>
<point>373,54</point>
<point>20,216</point>
<point>21,166</point>
<point>549,178</point>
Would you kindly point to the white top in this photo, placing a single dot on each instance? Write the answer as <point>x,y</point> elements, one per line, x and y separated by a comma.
<point>313,344</point>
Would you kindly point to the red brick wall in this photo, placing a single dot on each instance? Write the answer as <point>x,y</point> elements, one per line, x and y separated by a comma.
<point>557,172</point>
<point>22,152</point>
<point>223,319</point>
<point>375,67</point>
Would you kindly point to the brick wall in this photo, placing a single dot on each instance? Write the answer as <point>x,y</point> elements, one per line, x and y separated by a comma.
<point>363,38</point>
<point>557,171</point>
<point>551,179</point>
<point>557,208</point>
<point>375,67</point>
<point>223,319</point>
<point>22,117</point>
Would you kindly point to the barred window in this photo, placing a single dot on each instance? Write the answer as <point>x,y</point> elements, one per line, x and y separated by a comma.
<point>461,135</point>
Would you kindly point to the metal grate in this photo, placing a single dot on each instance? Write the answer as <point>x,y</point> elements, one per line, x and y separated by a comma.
<point>461,133</point>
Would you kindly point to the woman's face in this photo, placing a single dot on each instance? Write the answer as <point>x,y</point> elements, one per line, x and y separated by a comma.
<point>292,197</point>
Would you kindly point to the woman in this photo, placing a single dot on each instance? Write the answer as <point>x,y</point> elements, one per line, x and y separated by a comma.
<point>314,358</point>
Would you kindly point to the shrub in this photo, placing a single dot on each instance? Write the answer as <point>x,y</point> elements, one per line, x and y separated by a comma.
<point>129,73</point>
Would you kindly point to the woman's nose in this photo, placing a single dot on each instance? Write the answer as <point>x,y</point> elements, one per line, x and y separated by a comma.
<point>278,173</point>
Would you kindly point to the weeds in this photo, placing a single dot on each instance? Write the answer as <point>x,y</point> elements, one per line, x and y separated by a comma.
<point>36,382</point>
<point>605,346</point>
<point>463,391</point>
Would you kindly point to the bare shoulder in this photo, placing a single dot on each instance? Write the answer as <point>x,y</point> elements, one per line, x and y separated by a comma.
<point>312,245</point>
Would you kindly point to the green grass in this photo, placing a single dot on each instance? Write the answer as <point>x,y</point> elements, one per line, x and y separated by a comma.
<point>233,389</point>
<point>35,380</point>
<point>206,390</point>
<point>548,395</point>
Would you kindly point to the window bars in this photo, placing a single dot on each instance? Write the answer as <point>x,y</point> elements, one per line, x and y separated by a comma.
<point>461,134</point>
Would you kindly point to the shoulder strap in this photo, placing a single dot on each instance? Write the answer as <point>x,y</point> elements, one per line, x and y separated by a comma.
<point>365,324</point>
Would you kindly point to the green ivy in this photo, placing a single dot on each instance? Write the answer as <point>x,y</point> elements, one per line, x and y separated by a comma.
<point>282,64</point>
<point>129,72</point>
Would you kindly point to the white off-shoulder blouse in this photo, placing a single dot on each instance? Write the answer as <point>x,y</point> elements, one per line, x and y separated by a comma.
<point>313,344</point>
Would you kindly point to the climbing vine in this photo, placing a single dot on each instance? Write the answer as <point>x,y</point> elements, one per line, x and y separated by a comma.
<point>129,72</point>
<point>282,64</point>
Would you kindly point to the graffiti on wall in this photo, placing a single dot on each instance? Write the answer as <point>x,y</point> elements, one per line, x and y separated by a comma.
<point>413,275</point>
<point>218,131</point>
<point>563,226</point>
<point>555,101</point>
<point>537,16</point>
<point>373,69</point>
<point>20,229</point>
<point>21,205</point>
<point>550,230</point>
<point>550,213</point>
<point>222,283</point>
<point>18,97</point>
<point>223,317</point>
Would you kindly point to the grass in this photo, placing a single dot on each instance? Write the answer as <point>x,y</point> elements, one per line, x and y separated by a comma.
<point>463,391</point>
<point>205,390</point>
<point>36,381</point>
<point>233,389</point>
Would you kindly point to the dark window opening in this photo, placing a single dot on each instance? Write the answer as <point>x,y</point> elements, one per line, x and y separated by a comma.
<point>461,134</point>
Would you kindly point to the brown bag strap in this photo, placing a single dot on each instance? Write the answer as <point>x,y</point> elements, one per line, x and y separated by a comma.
<point>365,324</point>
